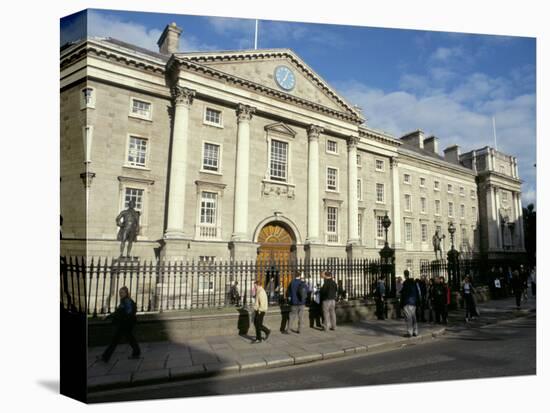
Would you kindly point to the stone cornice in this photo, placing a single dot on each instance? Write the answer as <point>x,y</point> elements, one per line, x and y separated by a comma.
<point>227,78</point>
<point>438,163</point>
<point>88,48</point>
<point>378,136</point>
<point>240,56</point>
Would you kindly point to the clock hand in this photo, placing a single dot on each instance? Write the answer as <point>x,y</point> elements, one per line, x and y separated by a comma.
<point>285,77</point>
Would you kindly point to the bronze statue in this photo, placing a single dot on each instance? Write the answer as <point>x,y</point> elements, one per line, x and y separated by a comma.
<point>128,221</point>
<point>436,241</point>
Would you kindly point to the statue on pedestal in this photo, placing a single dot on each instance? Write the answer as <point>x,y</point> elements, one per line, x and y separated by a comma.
<point>436,241</point>
<point>128,222</point>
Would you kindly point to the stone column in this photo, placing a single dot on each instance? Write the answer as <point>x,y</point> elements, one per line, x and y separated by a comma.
<point>183,98</point>
<point>520,229</point>
<point>353,207</point>
<point>313,133</point>
<point>240,213</point>
<point>491,218</point>
<point>500,239</point>
<point>396,204</point>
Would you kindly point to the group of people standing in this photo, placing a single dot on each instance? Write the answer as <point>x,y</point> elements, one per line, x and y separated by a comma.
<point>519,282</point>
<point>321,299</point>
<point>415,297</point>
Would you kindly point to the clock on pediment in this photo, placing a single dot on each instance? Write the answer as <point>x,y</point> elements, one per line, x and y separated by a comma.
<point>285,78</point>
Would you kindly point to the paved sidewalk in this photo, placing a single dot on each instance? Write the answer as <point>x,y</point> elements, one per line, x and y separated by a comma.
<point>165,361</point>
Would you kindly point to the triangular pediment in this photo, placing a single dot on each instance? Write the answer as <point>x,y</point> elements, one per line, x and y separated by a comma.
<point>281,129</point>
<point>259,66</point>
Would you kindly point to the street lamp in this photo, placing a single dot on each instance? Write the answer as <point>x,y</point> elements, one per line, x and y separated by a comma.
<point>387,255</point>
<point>452,258</point>
<point>386,223</point>
<point>452,231</point>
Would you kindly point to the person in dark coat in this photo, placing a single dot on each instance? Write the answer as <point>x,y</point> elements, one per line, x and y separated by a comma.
<point>421,306</point>
<point>410,298</point>
<point>124,321</point>
<point>380,297</point>
<point>517,288</point>
<point>328,301</point>
<point>439,300</point>
<point>298,296</point>
<point>469,300</point>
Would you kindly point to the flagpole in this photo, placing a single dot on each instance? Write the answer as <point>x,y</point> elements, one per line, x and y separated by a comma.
<point>256,36</point>
<point>495,133</point>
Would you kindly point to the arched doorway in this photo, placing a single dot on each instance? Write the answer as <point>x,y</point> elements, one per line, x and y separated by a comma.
<point>276,256</point>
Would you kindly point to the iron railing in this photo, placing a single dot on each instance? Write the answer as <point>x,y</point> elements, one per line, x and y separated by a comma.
<point>91,285</point>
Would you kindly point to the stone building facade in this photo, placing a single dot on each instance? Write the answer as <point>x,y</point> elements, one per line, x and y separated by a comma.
<point>251,154</point>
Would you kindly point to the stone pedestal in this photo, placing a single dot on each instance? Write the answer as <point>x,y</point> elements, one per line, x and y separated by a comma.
<point>175,249</point>
<point>243,250</point>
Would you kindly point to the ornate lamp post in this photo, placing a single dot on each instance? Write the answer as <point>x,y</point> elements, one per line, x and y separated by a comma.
<point>387,255</point>
<point>452,258</point>
<point>386,223</point>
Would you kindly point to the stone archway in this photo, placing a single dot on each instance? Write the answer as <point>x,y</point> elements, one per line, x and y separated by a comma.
<point>276,254</point>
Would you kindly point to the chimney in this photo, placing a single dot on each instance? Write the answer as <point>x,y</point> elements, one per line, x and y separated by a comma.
<point>452,154</point>
<point>431,144</point>
<point>415,138</point>
<point>169,41</point>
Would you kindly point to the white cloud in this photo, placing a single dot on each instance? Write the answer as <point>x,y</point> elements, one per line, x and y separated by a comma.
<point>445,53</point>
<point>461,115</point>
<point>105,25</point>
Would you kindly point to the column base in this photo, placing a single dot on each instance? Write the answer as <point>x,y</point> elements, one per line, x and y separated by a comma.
<point>239,237</point>
<point>243,250</point>
<point>314,250</point>
<point>354,250</point>
<point>174,234</point>
<point>175,249</point>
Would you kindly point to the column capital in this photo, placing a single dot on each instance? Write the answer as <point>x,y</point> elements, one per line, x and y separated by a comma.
<point>394,162</point>
<point>313,131</point>
<point>244,112</point>
<point>182,95</point>
<point>352,142</point>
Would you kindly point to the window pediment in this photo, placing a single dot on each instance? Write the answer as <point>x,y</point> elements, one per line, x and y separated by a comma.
<point>280,129</point>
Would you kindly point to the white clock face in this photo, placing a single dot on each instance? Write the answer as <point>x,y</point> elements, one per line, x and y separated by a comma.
<point>285,78</point>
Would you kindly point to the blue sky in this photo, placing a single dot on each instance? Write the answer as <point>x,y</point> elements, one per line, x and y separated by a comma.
<point>447,84</point>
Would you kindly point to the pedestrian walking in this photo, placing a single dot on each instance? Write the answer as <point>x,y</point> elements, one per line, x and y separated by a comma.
<point>124,320</point>
<point>524,276</point>
<point>447,301</point>
<point>234,294</point>
<point>410,297</point>
<point>328,301</point>
<point>297,296</point>
<point>315,307</point>
<point>270,290</point>
<point>260,308</point>
<point>341,292</point>
<point>469,300</point>
<point>439,300</point>
<point>380,296</point>
<point>517,288</point>
<point>429,299</point>
<point>398,286</point>
<point>421,306</point>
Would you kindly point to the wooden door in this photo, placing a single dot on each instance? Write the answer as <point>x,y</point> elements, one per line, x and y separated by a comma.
<point>275,255</point>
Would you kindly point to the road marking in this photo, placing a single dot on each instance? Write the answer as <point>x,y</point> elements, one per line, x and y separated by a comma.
<point>366,371</point>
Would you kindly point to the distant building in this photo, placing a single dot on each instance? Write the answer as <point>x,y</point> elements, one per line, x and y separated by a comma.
<point>250,153</point>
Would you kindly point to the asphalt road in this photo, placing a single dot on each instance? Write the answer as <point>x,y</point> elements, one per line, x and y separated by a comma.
<point>498,350</point>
